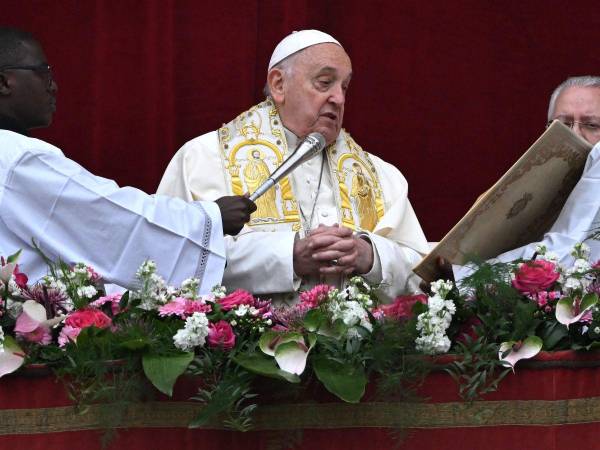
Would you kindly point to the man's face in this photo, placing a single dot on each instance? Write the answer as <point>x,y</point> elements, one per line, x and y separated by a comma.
<point>579,107</point>
<point>32,98</point>
<point>314,93</point>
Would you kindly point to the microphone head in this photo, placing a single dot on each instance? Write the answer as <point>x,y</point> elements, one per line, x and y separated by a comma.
<point>316,139</point>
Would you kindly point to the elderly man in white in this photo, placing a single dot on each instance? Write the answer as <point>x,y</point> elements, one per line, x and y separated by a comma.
<point>576,103</point>
<point>344,212</point>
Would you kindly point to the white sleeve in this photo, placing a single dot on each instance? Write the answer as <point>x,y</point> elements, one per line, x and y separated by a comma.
<point>77,216</point>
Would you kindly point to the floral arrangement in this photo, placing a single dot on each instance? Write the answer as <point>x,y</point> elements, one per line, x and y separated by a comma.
<point>337,338</point>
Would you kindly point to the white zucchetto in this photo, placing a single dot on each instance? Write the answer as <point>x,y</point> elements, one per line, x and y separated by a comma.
<point>297,41</point>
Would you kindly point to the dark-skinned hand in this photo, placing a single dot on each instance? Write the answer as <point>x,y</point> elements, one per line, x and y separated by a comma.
<point>235,212</point>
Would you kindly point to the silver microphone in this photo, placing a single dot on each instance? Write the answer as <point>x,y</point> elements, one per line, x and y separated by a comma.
<point>308,148</point>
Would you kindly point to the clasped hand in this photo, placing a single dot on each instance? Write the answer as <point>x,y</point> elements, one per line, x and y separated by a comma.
<point>330,250</point>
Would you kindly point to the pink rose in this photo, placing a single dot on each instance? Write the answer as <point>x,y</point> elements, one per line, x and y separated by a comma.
<point>401,308</point>
<point>88,317</point>
<point>535,276</point>
<point>221,335</point>
<point>236,298</point>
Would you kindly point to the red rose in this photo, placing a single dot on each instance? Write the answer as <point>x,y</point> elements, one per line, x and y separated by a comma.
<point>88,317</point>
<point>402,306</point>
<point>221,335</point>
<point>535,276</point>
<point>236,298</point>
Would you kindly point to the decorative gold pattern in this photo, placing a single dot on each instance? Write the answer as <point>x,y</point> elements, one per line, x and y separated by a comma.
<point>265,149</point>
<point>318,415</point>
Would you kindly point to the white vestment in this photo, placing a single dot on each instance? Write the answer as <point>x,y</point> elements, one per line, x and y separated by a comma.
<point>262,262</point>
<point>79,217</point>
<point>577,220</point>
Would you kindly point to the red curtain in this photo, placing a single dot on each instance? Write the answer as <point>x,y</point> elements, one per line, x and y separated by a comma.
<point>450,92</point>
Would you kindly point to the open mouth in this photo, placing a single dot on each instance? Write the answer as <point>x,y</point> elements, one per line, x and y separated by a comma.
<point>330,115</point>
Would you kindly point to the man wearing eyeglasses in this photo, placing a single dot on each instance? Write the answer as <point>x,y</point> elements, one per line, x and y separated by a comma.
<point>576,103</point>
<point>77,216</point>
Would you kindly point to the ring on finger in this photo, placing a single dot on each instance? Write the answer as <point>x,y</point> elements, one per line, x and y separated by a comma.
<point>333,262</point>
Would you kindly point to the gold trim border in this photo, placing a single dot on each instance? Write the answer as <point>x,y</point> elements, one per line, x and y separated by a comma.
<point>315,415</point>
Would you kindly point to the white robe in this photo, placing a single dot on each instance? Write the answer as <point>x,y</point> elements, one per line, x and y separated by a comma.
<point>78,217</point>
<point>578,218</point>
<point>262,262</point>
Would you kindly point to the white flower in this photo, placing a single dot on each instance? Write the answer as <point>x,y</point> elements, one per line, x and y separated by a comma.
<point>571,283</point>
<point>87,291</point>
<point>581,266</point>
<point>147,268</point>
<point>189,287</point>
<point>219,291</point>
<point>241,310</point>
<point>552,257</point>
<point>541,249</point>
<point>233,323</point>
<point>580,250</point>
<point>597,330</point>
<point>14,309</point>
<point>193,334</point>
<point>433,324</point>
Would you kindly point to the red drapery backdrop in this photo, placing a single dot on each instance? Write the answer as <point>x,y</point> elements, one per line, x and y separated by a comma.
<point>450,92</point>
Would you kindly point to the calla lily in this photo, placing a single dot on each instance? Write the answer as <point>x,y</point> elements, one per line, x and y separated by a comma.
<point>570,311</point>
<point>518,350</point>
<point>33,324</point>
<point>289,349</point>
<point>12,357</point>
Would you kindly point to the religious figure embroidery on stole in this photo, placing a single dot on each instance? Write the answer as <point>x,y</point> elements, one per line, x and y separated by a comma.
<point>361,206</point>
<point>252,147</point>
<point>364,200</point>
<point>256,172</point>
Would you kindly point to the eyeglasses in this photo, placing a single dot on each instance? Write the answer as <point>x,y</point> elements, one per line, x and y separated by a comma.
<point>43,69</point>
<point>587,126</point>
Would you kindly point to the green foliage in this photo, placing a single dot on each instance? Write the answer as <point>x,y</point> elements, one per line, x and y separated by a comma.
<point>163,370</point>
<point>344,380</point>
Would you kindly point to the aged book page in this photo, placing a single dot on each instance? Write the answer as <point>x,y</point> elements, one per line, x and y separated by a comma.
<point>520,207</point>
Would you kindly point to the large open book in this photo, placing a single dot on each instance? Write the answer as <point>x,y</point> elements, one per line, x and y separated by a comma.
<point>520,207</point>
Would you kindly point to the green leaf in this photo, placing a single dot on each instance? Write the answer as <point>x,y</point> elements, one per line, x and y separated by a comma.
<point>135,343</point>
<point>552,333</point>
<point>263,365</point>
<point>163,370</point>
<point>14,257</point>
<point>341,379</point>
<point>314,319</point>
<point>124,301</point>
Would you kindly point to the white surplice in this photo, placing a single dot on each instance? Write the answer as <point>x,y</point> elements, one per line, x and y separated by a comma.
<point>79,217</point>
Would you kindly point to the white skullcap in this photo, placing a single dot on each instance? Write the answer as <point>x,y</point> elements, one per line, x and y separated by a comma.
<point>297,41</point>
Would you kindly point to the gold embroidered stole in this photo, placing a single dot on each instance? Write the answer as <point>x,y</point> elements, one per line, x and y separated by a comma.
<point>253,145</point>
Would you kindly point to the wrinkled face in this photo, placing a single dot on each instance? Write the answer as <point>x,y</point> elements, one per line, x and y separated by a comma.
<point>579,108</point>
<point>311,96</point>
<point>31,93</point>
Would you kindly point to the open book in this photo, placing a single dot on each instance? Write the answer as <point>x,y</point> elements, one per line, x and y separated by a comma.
<point>520,207</point>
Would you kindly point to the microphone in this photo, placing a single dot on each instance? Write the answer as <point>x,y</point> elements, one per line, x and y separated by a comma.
<point>308,148</point>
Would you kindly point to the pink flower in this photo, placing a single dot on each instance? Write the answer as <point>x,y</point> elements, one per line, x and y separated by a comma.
<point>113,299</point>
<point>221,335</point>
<point>236,298</point>
<point>313,298</point>
<point>401,308</point>
<point>183,307</point>
<point>93,276</point>
<point>596,265</point>
<point>535,276</point>
<point>88,317</point>
<point>68,333</point>
<point>33,325</point>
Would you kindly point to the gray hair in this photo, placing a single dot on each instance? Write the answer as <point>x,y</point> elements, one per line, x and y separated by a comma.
<point>286,65</point>
<point>583,81</point>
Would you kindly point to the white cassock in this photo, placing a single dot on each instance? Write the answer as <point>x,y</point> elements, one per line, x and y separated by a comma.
<point>577,220</point>
<point>262,262</point>
<point>79,217</point>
